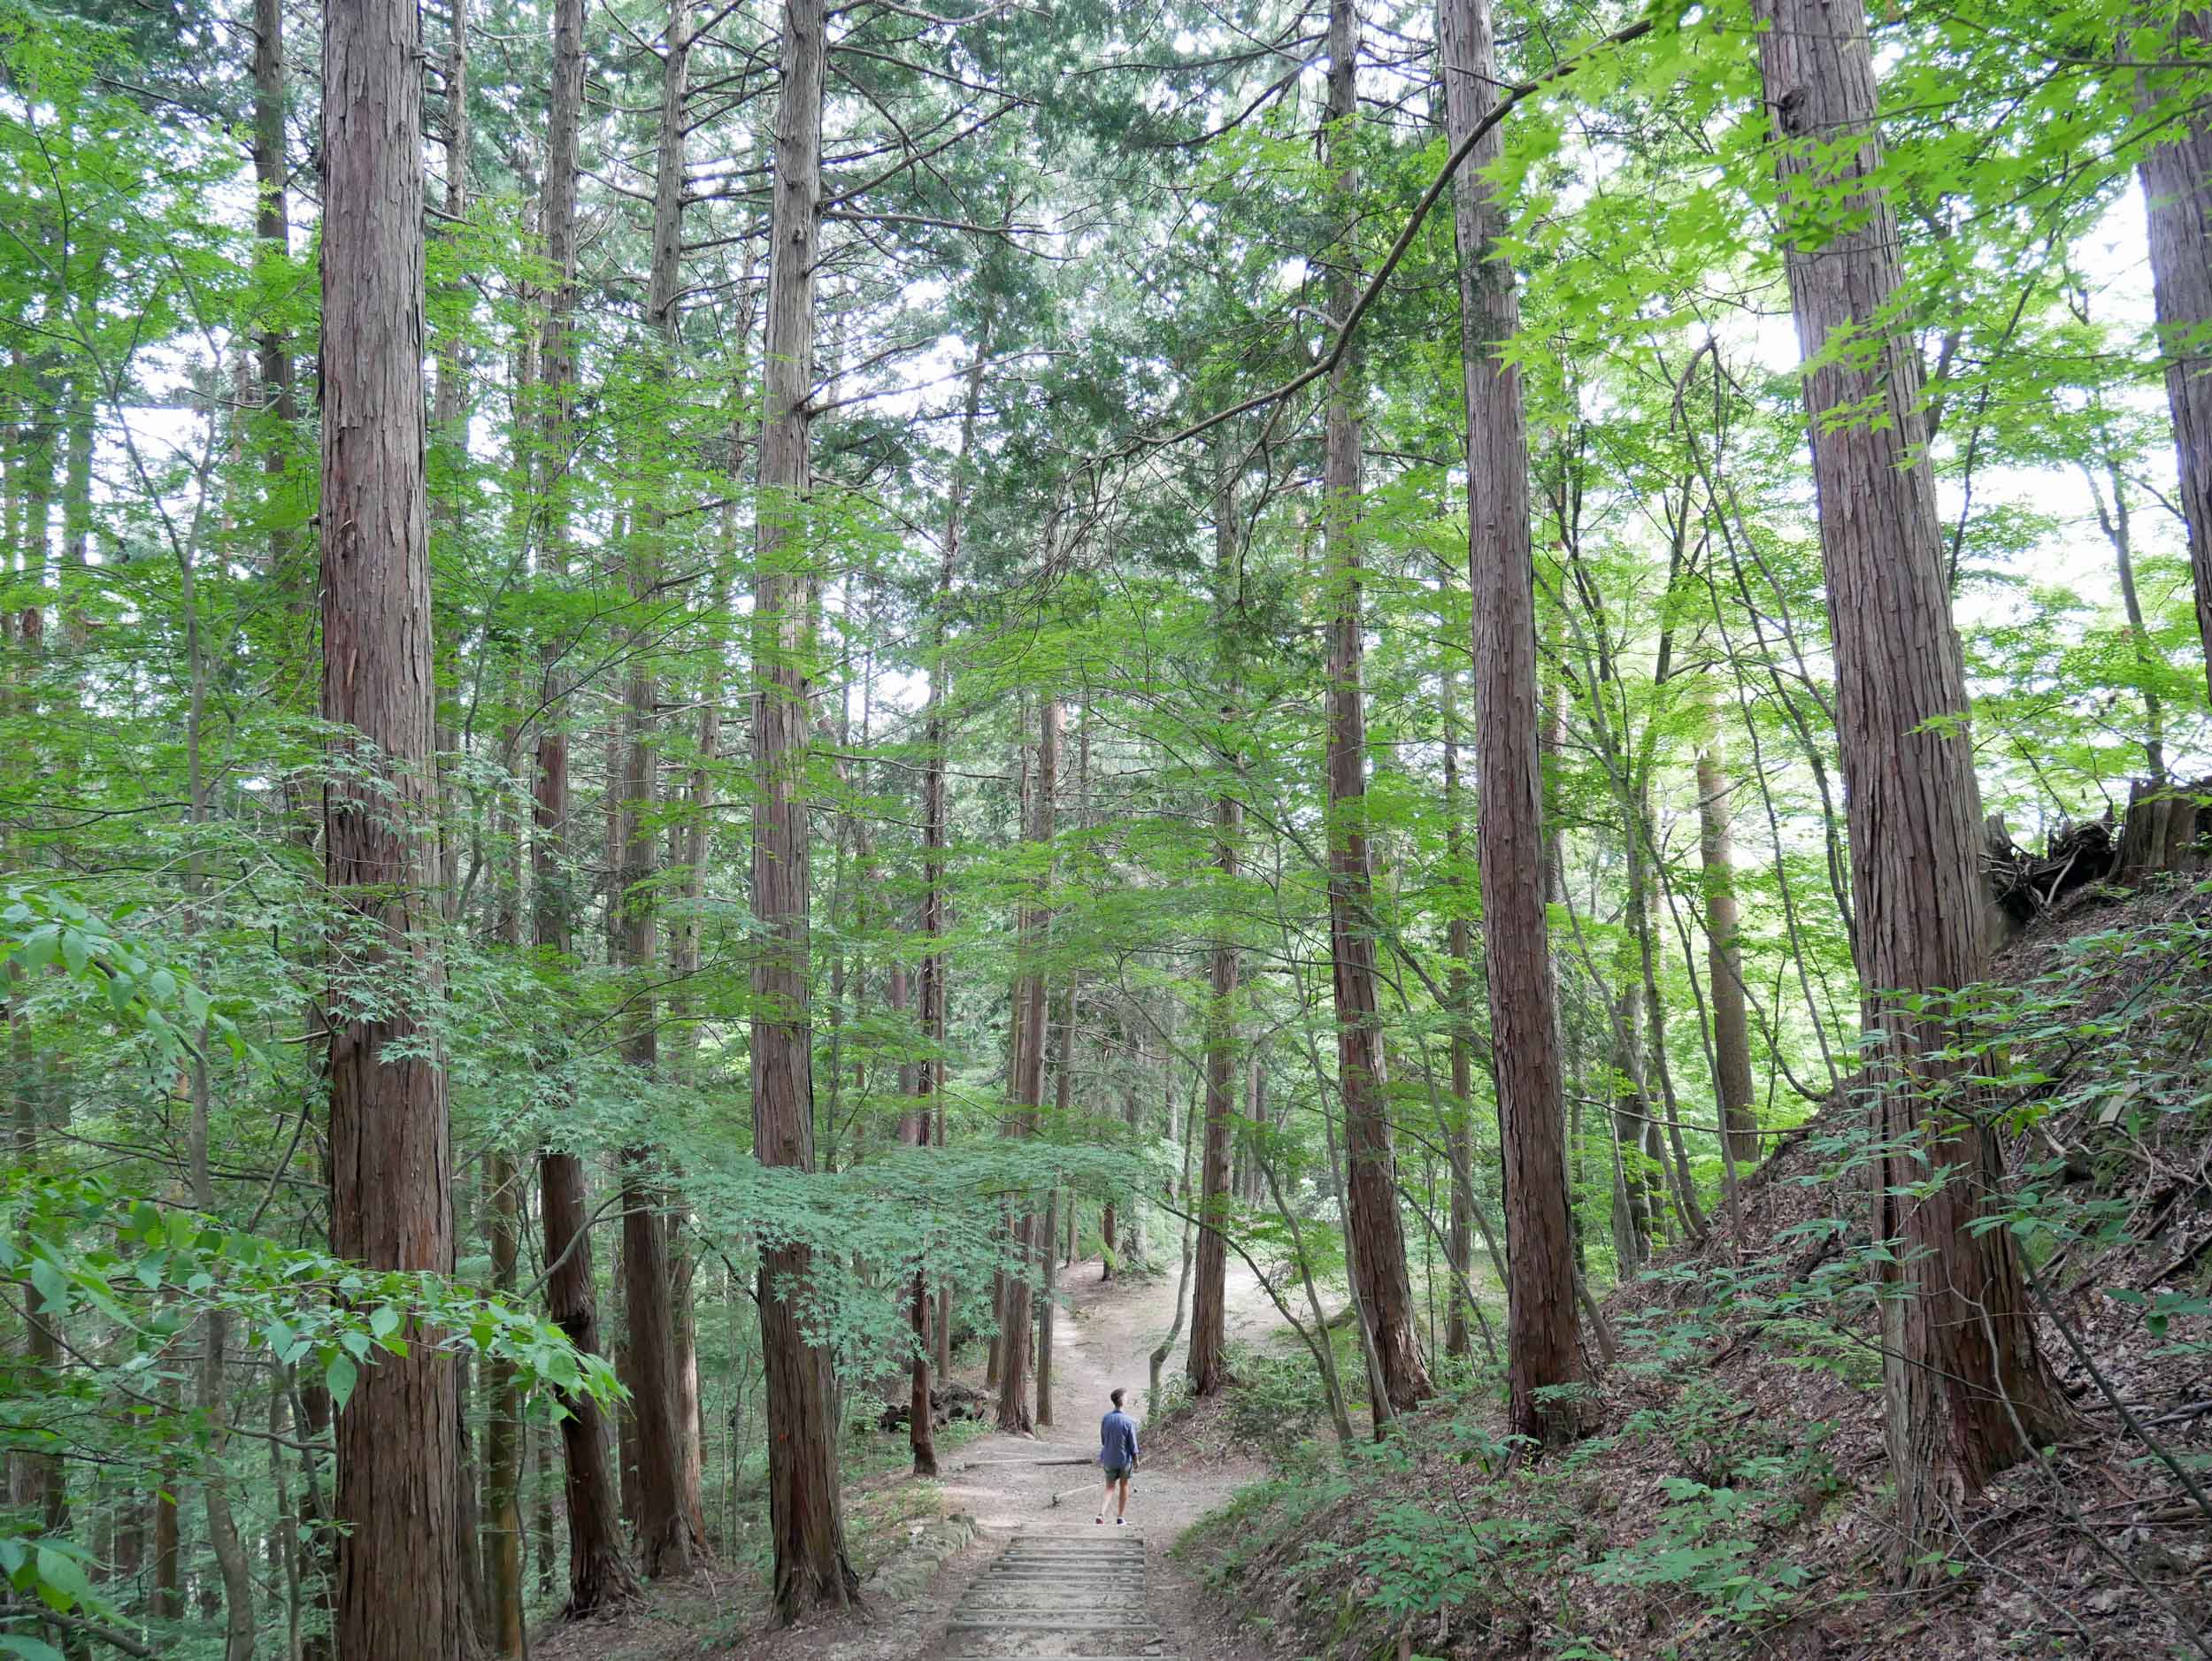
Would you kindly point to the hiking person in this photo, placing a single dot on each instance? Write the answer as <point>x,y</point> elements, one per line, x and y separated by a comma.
<point>1118,1453</point>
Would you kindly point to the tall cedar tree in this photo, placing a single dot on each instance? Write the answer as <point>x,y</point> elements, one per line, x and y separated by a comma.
<point>805,1508</point>
<point>1030,1017</point>
<point>1967,1392</point>
<point>599,1576</point>
<point>1540,1354</point>
<point>1384,1288</point>
<point>2177,177</point>
<point>666,1543</point>
<point>1209,1320</point>
<point>399,1582</point>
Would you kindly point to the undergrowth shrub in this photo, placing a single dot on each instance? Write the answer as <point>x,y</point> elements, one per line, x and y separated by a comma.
<point>1275,1403</point>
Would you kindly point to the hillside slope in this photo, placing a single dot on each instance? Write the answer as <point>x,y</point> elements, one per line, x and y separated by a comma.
<point>1734,1500</point>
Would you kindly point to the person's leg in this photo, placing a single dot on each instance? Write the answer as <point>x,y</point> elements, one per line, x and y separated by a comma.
<point>1108,1496</point>
<point>1121,1506</point>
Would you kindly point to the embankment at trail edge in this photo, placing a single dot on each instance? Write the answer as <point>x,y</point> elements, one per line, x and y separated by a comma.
<point>1735,1498</point>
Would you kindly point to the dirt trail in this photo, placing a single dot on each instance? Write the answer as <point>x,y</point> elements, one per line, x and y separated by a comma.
<point>1103,1338</point>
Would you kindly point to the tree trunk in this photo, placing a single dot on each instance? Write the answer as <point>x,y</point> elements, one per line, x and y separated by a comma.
<point>2176,180</point>
<point>1968,1393</point>
<point>1635,1220</point>
<point>1047,1241</point>
<point>1372,1213</point>
<point>399,1547</point>
<point>1209,1329</point>
<point>599,1576</point>
<point>1031,1020</point>
<point>667,1546</point>
<point>805,1508</point>
<point>913,1131</point>
<point>222,1527</point>
<point>1724,957</point>
<point>1460,945</point>
<point>272,227</point>
<point>504,1449</point>
<point>541,1551</point>
<point>1509,845</point>
<point>1166,1346</point>
<point>2118,528</point>
<point>936,737</point>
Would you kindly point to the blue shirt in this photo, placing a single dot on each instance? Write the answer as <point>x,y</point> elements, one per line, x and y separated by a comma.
<point>1117,1440</point>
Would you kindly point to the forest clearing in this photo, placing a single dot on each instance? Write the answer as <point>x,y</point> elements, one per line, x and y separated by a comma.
<point>744,744</point>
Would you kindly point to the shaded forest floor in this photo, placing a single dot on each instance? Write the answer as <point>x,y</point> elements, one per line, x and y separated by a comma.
<point>917,1544</point>
<point>1735,1500</point>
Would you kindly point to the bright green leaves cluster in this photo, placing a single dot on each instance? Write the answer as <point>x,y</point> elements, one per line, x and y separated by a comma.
<point>43,931</point>
<point>152,1271</point>
<point>58,1573</point>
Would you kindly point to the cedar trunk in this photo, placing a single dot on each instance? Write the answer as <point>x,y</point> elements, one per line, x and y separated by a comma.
<point>1460,946</point>
<point>667,1545</point>
<point>1965,1378</point>
<point>1379,1257</point>
<point>504,1449</point>
<point>1031,1015</point>
<point>399,1550</point>
<point>2176,180</point>
<point>806,1516</point>
<point>1509,847</point>
<point>1209,1328</point>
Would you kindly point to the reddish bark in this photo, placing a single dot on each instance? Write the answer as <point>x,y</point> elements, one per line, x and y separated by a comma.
<point>1968,1393</point>
<point>1378,1249</point>
<point>805,1508</point>
<point>399,1552</point>
<point>2176,180</point>
<point>1509,847</point>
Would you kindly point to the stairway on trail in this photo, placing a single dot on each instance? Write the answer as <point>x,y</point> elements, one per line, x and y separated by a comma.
<point>1061,1595</point>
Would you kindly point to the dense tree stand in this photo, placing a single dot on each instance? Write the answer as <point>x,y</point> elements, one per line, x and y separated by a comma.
<point>882,647</point>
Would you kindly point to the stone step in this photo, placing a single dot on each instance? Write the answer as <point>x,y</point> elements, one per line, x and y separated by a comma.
<point>1051,1624</point>
<point>1115,1560</point>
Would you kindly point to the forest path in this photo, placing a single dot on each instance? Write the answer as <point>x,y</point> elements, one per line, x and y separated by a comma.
<point>1103,1338</point>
